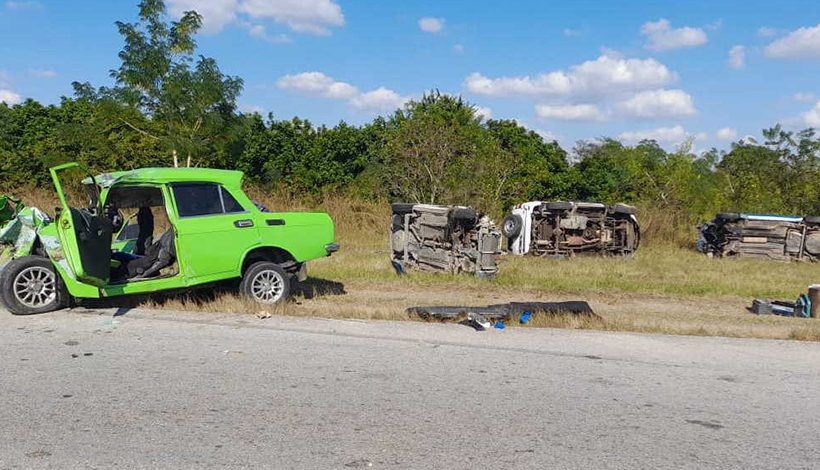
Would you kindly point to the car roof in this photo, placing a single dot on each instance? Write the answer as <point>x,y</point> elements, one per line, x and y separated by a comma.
<point>229,178</point>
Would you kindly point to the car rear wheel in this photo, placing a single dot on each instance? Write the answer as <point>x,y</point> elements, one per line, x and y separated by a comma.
<point>266,283</point>
<point>511,226</point>
<point>29,285</point>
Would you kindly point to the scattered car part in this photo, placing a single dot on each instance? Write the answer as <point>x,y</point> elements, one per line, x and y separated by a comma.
<point>451,239</point>
<point>777,237</point>
<point>523,311</point>
<point>801,308</point>
<point>566,228</point>
<point>215,233</point>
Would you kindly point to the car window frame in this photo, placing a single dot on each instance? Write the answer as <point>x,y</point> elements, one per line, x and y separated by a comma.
<point>219,187</point>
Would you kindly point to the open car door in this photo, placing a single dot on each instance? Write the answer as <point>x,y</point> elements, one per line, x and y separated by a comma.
<point>85,233</point>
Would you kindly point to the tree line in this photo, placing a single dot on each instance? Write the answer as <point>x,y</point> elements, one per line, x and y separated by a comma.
<point>167,104</point>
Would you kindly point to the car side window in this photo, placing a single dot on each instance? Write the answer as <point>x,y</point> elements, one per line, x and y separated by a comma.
<point>197,199</point>
<point>231,205</point>
<point>194,199</point>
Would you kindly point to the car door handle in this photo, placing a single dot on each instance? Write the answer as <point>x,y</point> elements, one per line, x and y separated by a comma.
<point>243,223</point>
<point>275,221</point>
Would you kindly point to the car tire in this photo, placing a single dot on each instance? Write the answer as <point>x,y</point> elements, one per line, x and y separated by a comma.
<point>402,208</point>
<point>622,209</point>
<point>812,219</point>
<point>266,283</point>
<point>728,216</point>
<point>558,205</point>
<point>30,285</point>
<point>464,213</point>
<point>511,226</point>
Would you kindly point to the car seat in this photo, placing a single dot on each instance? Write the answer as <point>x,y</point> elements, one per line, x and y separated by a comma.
<point>160,254</point>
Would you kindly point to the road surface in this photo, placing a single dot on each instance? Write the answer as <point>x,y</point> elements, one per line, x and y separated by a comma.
<point>82,389</point>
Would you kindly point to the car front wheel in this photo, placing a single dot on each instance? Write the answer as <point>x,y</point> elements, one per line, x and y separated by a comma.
<point>29,285</point>
<point>266,283</point>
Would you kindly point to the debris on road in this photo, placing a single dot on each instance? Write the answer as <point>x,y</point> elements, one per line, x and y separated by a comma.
<point>801,308</point>
<point>484,317</point>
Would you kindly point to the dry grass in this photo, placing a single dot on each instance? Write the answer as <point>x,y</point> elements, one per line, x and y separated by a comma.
<point>663,289</point>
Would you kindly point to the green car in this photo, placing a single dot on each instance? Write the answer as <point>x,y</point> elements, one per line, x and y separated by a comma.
<point>150,230</point>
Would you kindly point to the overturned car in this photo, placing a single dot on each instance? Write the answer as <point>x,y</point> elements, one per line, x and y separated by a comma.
<point>565,228</point>
<point>766,236</point>
<point>451,239</point>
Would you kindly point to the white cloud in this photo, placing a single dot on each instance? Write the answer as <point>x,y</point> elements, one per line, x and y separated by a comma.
<point>572,112</point>
<point>42,73</point>
<point>319,84</point>
<point>458,49</point>
<point>431,25</point>
<point>380,99</point>
<point>727,133</point>
<point>606,75</point>
<point>766,32</point>
<point>800,43</point>
<point>812,117</point>
<point>662,36</point>
<point>804,97</point>
<point>23,5</point>
<point>571,32</point>
<point>303,16</point>
<point>655,104</point>
<point>216,14</point>
<point>9,97</point>
<point>483,112</point>
<point>667,135</point>
<point>737,57</point>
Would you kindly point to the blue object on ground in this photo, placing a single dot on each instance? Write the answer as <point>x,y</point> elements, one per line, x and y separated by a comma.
<point>499,325</point>
<point>525,317</point>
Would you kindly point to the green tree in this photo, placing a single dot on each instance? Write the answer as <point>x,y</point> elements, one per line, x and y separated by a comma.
<point>193,102</point>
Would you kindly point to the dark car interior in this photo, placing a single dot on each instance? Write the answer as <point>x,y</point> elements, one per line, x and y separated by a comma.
<point>138,215</point>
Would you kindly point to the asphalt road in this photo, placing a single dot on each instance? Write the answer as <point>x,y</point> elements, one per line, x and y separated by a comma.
<point>163,390</point>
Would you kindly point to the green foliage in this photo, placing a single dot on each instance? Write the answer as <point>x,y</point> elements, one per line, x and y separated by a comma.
<point>191,104</point>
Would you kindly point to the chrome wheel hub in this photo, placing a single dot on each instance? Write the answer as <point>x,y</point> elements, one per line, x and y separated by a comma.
<point>35,287</point>
<point>267,287</point>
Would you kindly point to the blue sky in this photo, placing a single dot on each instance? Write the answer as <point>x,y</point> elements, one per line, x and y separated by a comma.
<point>710,70</point>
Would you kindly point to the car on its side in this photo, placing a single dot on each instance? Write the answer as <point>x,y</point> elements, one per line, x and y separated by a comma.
<point>154,229</point>
<point>567,228</point>
<point>767,236</point>
<point>452,239</point>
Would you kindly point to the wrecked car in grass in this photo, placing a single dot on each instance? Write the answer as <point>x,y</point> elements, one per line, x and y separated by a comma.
<point>150,230</point>
<point>565,228</point>
<point>767,236</point>
<point>452,239</point>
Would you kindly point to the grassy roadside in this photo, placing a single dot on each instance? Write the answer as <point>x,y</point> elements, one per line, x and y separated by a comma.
<point>665,288</point>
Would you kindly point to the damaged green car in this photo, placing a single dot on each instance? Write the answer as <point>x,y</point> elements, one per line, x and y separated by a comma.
<point>151,230</point>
